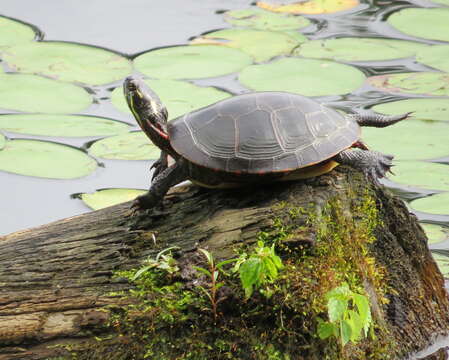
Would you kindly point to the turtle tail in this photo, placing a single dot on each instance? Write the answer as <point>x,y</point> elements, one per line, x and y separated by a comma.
<point>378,120</point>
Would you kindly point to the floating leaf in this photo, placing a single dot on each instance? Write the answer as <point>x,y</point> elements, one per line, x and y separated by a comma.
<point>424,23</point>
<point>443,263</point>
<point>359,49</point>
<point>2,141</point>
<point>45,159</point>
<point>435,233</point>
<point>132,146</point>
<point>32,93</point>
<point>425,83</point>
<point>435,204</point>
<point>14,32</point>
<point>261,45</point>
<point>303,76</point>
<point>108,197</point>
<point>435,56</point>
<point>191,62</point>
<point>425,175</point>
<point>69,62</point>
<point>265,20</point>
<point>423,109</point>
<point>61,125</point>
<point>410,139</point>
<point>178,96</point>
<point>311,6</point>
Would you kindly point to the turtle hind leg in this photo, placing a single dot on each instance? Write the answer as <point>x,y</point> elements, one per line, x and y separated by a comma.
<point>372,163</point>
<point>162,183</point>
<point>378,120</point>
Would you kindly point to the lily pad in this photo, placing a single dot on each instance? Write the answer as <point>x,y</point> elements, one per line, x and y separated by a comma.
<point>178,96</point>
<point>424,23</point>
<point>68,62</point>
<point>265,20</point>
<point>303,76</point>
<point>311,6</point>
<point>108,197</point>
<point>435,56</point>
<point>435,233</point>
<point>32,93</point>
<point>425,175</point>
<point>61,125</point>
<point>359,49</point>
<point>14,32</point>
<point>443,264</point>
<point>423,109</point>
<point>424,83</point>
<point>132,146</point>
<point>45,159</point>
<point>410,139</point>
<point>261,45</point>
<point>191,62</point>
<point>2,141</point>
<point>435,204</point>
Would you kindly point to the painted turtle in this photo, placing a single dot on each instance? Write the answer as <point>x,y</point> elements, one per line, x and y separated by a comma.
<point>252,138</point>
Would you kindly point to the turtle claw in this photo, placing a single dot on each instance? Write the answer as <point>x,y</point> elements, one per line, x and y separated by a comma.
<point>144,202</point>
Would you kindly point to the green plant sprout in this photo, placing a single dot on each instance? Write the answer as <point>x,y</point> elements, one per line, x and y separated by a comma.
<point>213,273</point>
<point>349,315</point>
<point>258,269</point>
<point>164,261</point>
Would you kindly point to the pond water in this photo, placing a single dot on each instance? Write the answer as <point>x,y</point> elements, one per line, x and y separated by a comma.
<point>350,76</point>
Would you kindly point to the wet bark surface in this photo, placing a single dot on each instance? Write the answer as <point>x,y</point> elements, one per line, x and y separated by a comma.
<point>56,279</point>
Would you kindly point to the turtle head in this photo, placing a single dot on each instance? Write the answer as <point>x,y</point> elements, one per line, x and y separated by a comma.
<point>147,108</point>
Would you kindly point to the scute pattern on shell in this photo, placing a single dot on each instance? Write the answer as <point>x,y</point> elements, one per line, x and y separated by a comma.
<point>261,133</point>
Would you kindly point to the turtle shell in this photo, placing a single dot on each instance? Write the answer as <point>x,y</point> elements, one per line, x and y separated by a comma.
<point>262,133</point>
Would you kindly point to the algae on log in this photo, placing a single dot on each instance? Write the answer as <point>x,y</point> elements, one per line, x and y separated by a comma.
<point>64,292</point>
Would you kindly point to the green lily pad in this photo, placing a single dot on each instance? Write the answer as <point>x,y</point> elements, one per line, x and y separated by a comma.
<point>435,233</point>
<point>265,20</point>
<point>2,141</point>
<point>410,139</point>
<point>359,49</point>
<point>424,83</point>
<point>32,93</point>
<point>435,56</point>
<point>132,146</point>
<point>108,197</point>
<point>443,263</point>
<point>425,175</point>
<point>261,45</point>
<point>303,76</point>
<point>423,109</point>
<point>310,7</point>
<point>424,23</point>
<point>61,125</point>
<point>68,62</point>
<point>191,62</point>
<point>435,204</point>
<point>178,96</point>
<point>45,159</point>
<point>14,32</point>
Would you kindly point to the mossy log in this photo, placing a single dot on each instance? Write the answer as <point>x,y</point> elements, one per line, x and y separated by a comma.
<point>63,296</point>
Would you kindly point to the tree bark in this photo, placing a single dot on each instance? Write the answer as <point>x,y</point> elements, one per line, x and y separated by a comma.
<point>59,298</point>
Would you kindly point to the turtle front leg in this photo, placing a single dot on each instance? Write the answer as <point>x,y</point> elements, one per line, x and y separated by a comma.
<point>159,165</point>
<point>378,120</point>
<point>372,163</point>
<point>162,183</point>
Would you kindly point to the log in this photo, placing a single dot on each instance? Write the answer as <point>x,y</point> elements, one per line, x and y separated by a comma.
<point>65,292</point>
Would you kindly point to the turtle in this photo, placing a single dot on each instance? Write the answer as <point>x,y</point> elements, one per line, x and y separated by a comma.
<point>252,138</point>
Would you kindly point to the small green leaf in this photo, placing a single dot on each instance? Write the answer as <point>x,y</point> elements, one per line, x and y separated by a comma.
<point>356,325</point>
<point>225,262</point>
<point>141,271</point>
<point>326,329</point>
<point>250,273</point>
<point>191,62</point>
<point>345,331</point>
<point>271,269</point>
<point>208,256</point>
<point>203,270</point>
<point>336,308</point>
<point>131,146</point>
<point>108,197</point>
<point>364,311</point>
